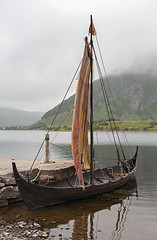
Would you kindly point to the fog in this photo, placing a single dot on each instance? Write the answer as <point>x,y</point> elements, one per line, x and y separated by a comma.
<point>41,45</point>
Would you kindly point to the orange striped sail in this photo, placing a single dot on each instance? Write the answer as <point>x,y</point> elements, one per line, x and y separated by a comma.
<point>80,117</point>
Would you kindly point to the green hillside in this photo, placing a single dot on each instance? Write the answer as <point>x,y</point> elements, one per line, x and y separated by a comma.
<point>134,94</point>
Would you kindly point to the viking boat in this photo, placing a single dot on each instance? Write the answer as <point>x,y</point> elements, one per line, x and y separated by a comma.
<point>89,180</point>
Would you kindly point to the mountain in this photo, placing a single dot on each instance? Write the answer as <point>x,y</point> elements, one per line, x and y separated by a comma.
<point>12,117</point>
<point>134,94</point>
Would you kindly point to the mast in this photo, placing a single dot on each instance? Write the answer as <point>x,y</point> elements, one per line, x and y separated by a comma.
<point>47,155</point>
<point>91,104</point>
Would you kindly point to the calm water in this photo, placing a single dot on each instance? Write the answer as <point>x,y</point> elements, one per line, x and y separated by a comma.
<point>127,213</point>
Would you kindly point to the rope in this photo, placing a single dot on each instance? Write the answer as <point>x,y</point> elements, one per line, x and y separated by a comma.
<point>106,132</point>
<point>62,125</point>
<point>52,144</point>
<point>37,173</point>
<point>121,127</point>
<point>63,98</point>
<point>67,151</point>
<point>109,110</point>
<point>35,158</point>
<point>54,117</point>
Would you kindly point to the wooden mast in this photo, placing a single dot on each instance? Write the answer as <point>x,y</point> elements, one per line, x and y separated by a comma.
<point>47,152</point>
<point>91,104</point>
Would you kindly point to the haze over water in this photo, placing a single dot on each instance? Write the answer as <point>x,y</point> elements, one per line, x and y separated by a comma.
<point>127,213</point>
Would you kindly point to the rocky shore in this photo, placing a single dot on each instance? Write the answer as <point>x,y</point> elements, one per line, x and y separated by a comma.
<point>54,170</point>
<point>23,230</point>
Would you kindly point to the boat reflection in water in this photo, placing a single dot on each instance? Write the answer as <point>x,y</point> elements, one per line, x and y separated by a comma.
<point>86,226</point>
<point>81,219</point>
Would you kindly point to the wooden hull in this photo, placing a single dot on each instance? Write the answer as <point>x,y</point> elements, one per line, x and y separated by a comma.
<point>105,180</point>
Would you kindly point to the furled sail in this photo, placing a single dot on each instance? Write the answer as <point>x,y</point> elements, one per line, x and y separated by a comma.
<point>80,116</point>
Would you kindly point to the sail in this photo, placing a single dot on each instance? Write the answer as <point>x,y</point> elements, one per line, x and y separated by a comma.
<point>80,116</point>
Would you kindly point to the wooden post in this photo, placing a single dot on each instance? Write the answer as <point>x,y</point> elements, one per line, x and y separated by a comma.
<point>47,153</point>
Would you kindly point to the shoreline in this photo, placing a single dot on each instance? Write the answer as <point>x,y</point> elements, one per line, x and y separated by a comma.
<point>125,131</point>
<point>54,170</point>
<point>99,126</point>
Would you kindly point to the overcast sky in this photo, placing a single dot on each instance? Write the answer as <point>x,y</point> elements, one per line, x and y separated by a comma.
<point>41,44</point>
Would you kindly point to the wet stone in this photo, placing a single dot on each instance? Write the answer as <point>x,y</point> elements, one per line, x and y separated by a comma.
<point>9,193</point>
<point>35,235</point>
<point>10,182</point>
<point>53,222</point>
<point>2,184</point>
<point>3,202</point>
<point>37,225</point>
<point>47,231</point>
<point>22,230</point>
<point>2,221</point>
<point>44,234</point>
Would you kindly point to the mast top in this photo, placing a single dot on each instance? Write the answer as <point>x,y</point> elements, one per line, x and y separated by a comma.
<point>91,27</point>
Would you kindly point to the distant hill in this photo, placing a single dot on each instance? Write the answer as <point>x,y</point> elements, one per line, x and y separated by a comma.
<point>134,94</point>
<point>12,117</point>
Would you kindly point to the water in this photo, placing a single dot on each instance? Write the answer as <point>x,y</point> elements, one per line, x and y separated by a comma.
<point>127,213</point>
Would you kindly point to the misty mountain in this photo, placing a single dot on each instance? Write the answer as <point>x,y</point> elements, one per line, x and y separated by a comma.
<point>12,117</point>
<point>134,94</point>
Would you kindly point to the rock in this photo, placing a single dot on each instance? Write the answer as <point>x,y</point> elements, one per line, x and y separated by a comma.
<point>46,230</point>
<point>35,235</point>
<point>44,234</point>
<point>9,192</point>
<point>3,202</point>
<point>2,184</point>
<point>6,234</point>
<point>10,182</point>
<point>14,200</point>
<point>22,224</point>
<point>53,222</point>
<point>2,221</point>
<point>28,233</point>
<point>37,225</point>
<point>9,227</point>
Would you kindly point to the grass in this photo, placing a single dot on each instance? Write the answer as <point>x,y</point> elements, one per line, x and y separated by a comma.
<point>132,126</point>
<point>102,125</point>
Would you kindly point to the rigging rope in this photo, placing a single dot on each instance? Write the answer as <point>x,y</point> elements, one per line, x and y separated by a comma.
<point>62,125</point>
<point>55,117</point>
<point>63,99</point>
<point>109,110</point>
<point>61,147</point>
<point>121,127</point>
<point>106,132</point>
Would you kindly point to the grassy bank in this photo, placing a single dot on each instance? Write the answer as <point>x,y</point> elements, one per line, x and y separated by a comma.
<point>134,126</point>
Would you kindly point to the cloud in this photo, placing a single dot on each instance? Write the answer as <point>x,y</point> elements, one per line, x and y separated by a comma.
<point>41,44</point>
